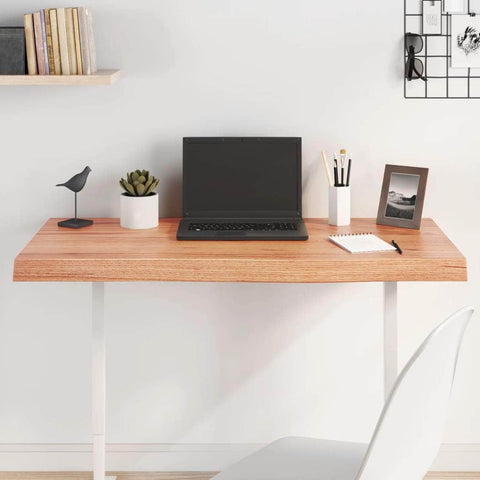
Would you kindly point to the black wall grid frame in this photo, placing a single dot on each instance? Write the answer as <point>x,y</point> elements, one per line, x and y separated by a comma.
<point>443,81</point>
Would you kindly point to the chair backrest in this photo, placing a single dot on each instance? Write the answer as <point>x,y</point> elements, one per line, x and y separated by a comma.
<point>409,432</point>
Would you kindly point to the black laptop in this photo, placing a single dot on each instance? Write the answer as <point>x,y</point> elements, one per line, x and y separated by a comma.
<point>242,189</point>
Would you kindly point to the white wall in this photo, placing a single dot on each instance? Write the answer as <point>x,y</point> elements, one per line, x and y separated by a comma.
<point>226,363</point>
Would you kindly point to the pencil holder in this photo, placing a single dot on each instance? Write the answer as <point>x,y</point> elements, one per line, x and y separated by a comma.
<point>339,206</point>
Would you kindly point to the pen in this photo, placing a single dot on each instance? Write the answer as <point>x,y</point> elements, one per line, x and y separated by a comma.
<point>325,163</point>
<point>335,170</point>
<point>395,244</point>
<point>349,168</point>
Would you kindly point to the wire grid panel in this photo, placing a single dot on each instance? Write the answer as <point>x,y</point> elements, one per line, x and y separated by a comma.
<point>443,80</point>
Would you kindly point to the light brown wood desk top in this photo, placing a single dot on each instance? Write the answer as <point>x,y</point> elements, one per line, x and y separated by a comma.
<point>105,252</point>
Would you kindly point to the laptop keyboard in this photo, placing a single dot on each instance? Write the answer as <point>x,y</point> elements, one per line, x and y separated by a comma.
<point>251,227</point>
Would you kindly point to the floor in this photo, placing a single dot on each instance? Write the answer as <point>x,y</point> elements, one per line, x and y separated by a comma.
<point>183,475</point>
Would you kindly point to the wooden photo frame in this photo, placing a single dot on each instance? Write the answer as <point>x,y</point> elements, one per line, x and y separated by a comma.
<point>403,194</point>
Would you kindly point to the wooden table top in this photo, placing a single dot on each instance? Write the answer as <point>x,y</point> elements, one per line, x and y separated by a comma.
<point>105,252</point>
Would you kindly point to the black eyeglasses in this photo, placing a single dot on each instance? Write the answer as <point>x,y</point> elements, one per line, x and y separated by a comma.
<point>414,66</point>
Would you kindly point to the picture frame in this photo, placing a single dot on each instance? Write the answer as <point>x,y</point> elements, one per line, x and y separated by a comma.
<point>402,196</point>
<point>465,48</point>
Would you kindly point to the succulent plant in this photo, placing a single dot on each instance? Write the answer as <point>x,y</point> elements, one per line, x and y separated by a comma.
<point>139,183</point>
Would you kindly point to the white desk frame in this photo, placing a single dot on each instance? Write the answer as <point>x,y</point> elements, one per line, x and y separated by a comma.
<point>390,347</point>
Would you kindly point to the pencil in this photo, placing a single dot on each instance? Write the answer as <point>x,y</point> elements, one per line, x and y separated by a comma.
<point>348,171</point>
<point>327,169</point>
<point>335,172</point>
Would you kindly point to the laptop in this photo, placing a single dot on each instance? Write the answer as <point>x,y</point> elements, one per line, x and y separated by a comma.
<point>242,189</point>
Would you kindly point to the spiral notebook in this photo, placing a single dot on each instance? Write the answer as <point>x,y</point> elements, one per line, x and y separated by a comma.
<point>361,243</point>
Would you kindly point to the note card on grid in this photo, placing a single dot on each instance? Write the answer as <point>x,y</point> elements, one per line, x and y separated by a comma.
<point>361,243</point>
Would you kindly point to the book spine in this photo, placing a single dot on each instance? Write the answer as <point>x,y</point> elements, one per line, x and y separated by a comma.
<point>78,48</point>
<point>55,41</point>
<point>30,44</point>
<point>72,54</point>
<point>44,37</point>
<point>48,30</point>
<point>37,24</point>
<point>85,49</point>
<point>91,41</point>
<point>62,40</point>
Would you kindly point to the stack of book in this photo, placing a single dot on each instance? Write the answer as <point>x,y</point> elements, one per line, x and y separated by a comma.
<point>59,41</point>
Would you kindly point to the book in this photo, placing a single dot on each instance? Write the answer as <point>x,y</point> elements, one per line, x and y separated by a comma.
<point>55,41</point>
<point>91,41</point>
<point>78,48</point>
<point>30,44</point>
<point>85,49</point>
<point>48,31</point>
<point>37,25</point>
<point>62,40</point>
<point>44,38</point>
<point>361,243</point>
<point>72,54</point>
<point>12,51</point>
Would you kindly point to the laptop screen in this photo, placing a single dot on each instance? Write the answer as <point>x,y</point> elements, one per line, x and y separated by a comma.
<point>242,177</point>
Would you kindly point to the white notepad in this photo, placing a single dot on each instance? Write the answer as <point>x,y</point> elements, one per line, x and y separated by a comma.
<point>361,243</point>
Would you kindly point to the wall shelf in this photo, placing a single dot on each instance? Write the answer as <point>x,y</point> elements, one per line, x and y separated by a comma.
<point>102,77</point>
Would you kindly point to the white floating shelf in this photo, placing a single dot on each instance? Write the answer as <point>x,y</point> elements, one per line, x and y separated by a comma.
<point>102,77</point>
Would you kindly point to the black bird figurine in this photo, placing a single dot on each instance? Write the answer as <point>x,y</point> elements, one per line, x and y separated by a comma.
<point>76,184</point>
<point>78,181</point>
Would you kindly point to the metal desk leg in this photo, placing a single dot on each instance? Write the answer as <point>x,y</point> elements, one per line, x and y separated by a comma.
<point>390,339</point>
<point>98,380</point>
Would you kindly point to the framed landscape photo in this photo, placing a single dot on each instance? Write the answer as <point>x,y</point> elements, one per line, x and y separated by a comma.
<point>403,193</point>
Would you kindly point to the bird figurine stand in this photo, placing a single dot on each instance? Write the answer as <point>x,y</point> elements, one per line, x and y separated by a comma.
<point>76,184</point>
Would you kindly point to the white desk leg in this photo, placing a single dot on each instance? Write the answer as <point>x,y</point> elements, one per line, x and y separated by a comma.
<point>390,336</point>
<point>98,380</point>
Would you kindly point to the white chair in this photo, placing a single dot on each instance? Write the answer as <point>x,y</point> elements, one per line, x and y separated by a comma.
<point>407,436</point>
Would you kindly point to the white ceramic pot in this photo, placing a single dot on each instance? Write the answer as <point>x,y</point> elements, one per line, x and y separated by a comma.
<point>339,206</point>
<point>139,212</point>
